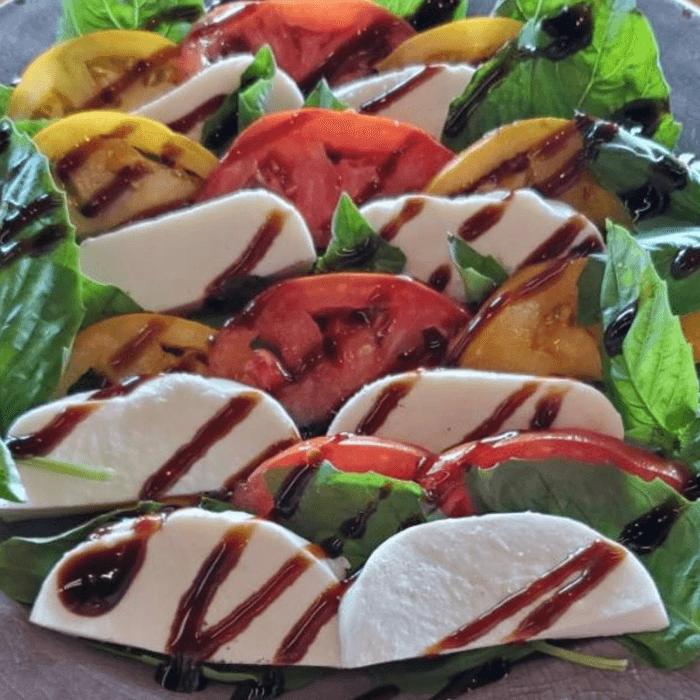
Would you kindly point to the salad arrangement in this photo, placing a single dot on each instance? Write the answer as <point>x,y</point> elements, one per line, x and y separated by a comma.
<point>584,299</point>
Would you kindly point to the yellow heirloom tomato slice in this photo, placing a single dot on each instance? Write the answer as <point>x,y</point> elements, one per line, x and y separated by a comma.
<point>470,40</point>
<point>115,69</point>
<point>137,344</point>
<point>118,168</point>
<point>544,153</point>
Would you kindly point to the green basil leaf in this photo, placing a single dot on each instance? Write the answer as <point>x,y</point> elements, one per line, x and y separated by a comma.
<point>5,94</point>
<point>26,561</point>
<point>11,488</point>
<point>608,500</point>
<point>659,189</point>
<point>242,106</point>
<point>355,246</point>
<point>651,378</point>
<point>40,305</point>
<point>171,18</point>
<point>322,96</point>
<point>101,301</point>
<point>358,511</point>
<point>601,67</point>
<point>481,274</point>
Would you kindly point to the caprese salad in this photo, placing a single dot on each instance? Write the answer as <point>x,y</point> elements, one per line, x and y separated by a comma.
<point>362,335</point>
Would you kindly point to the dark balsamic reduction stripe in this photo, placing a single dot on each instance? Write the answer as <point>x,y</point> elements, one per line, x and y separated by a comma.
<point>558,243</point>
<point>21,218</point>
<point>490,672</point>
<point>547,410</point>
<point>270,686</point>
<point>180,674</point>
<point>482,221</point>
<point>38,244</point>
<point>394,94</point>
<point>187,122</point>
<point>616,331</point>
<point>130,352</point>
<point>650,530</point>
<point>389,399</point>
<point>410,210</point>
<point>215,429</point>
<point>120,184</point>
<point>440,278</point>
<point>431,13</point>
<point>185,13</point>
<point>685,262</point>
<point>289,495</point>
<point>355,528</point>
<point>256,250</point>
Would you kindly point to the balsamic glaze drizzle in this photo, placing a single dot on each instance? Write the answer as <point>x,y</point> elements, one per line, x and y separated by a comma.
<point>616,332</point>
<point>650,530</point>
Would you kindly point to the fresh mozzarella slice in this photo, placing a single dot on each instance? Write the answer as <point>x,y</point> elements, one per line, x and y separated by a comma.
<point>174,578</point>
<point>419,95</point>
<point>437,409</point>
<point>515,228</point>
<point>202,431</point>
<point>185,257</point>
<point>185,108</point>
<point>430,581</point>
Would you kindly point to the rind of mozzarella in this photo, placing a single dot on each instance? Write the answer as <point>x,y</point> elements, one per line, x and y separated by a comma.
<point>517,224</point>
<point>438,409</point>
<point>419,95</point>
<point>412,594</point>
<point>219,79</point>
<point>174,555</point>
<point>171,261</point>
<point>136,434</point>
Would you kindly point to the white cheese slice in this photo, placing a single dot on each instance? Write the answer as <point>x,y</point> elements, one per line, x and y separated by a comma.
<point>170,261</point>
<point>527,221</point>
<point>136,434</point>
<point>438,409</point>
<point>174,556</point>
<point>215,80</point>
<point>427,582</point>
<point>419,95</point>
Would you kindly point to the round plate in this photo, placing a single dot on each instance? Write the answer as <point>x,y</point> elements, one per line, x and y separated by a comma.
<point>37,664</point>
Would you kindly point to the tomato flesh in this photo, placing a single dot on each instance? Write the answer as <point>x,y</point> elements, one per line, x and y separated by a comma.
<point>312,342</point>
<point>444,482</point>
<point>348,453</point>
<point>312,156</point>
<point>340,40</point>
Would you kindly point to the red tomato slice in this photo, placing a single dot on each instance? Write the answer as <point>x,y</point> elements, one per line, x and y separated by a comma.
<point>311,156</point>
<point>348,453</point>
<point>340,40</point>
<point>314,341</point>
<point>445,480</point>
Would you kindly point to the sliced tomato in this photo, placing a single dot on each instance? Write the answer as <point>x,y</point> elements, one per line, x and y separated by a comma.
<point>348,453</point>
<point>311,156</point>
<point>444,481</point>
<point>340,40</point>
<point>314,341</point>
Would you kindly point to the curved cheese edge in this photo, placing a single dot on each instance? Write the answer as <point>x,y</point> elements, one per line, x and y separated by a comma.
<point>174,555</point>
<point>427,582</point>
<point>170,262</point>
<point>509,226</point>
<point>418,95</point>
<point>136,434</point>
<point>218,80</point>
<point>438,409</point>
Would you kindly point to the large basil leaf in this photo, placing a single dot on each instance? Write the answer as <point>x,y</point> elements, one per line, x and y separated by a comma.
<point>26,561</point>
<point>101,301</point>
<point>647,364</point>
<point>243,106</point>
<point>608,500</point>
<point>355,246</point>
<point>40,302</point>
<point>171,18</point>
<point>355,512</point>
<point>597,57</point>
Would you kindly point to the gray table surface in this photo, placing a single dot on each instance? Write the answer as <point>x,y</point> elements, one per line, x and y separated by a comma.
<point>36,664</point>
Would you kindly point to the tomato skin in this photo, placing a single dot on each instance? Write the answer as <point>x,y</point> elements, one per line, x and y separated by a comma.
<point>312,156</point>
<point>312,342</point>
<point>348,453</point>
<point>340,41</point>
<point>444,482</point>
